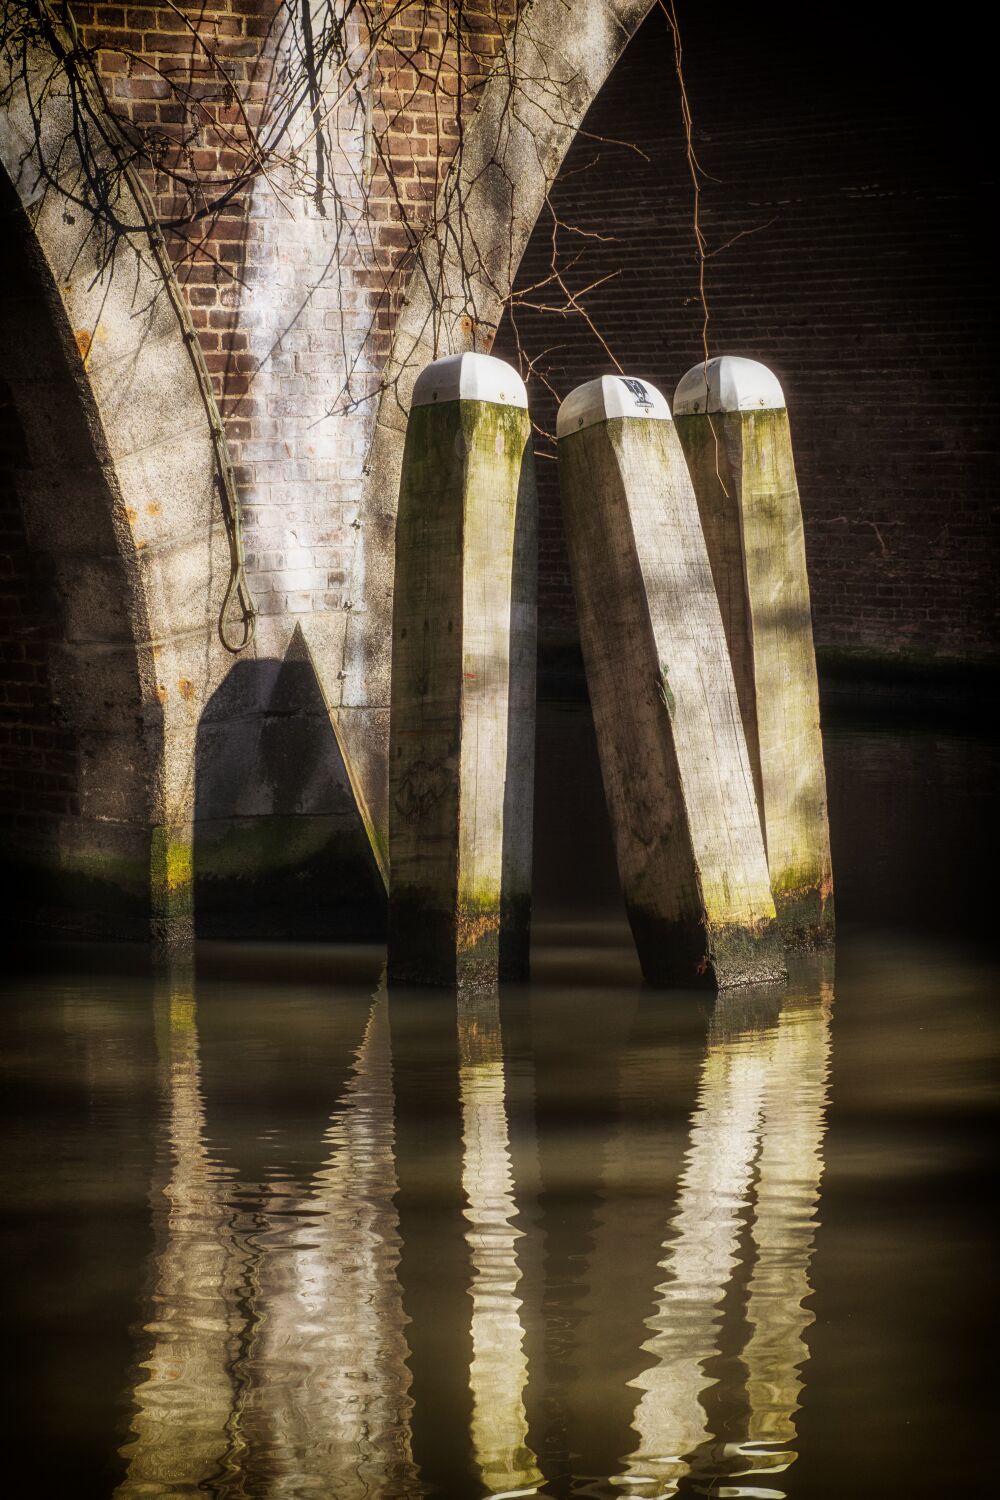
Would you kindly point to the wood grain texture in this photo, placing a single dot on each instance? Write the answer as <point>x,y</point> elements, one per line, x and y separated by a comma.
<point>743,471</point>
<point>673,755</point>
<point>461,752</point>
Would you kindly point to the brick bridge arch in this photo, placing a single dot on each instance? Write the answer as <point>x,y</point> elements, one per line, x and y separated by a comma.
<point>142,574</point>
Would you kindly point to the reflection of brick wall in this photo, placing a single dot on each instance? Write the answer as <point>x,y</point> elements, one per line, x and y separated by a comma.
<point>866,292</point>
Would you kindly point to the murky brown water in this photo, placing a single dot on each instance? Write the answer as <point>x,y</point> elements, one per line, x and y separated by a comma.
<point>270,1231</point>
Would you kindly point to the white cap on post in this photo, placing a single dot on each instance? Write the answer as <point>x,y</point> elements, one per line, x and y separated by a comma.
<point>469,377</point>
<point>728,383</point>
<point>610,396</point>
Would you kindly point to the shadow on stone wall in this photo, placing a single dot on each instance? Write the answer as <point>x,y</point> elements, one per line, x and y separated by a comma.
<point>280,849</point>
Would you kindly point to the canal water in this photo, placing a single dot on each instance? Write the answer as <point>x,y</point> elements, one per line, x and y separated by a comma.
<point>271,1230</point>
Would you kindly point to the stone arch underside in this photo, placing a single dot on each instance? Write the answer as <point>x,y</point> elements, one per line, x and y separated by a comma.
<point>117,482</point>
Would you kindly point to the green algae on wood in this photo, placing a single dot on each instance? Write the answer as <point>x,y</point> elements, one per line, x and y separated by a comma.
<point>172,885</point>
<point>673,754</point>
<point>461,740</point>
<point>733,426</point>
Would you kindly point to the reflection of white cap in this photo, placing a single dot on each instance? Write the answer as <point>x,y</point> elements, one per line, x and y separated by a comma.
<point>469,377</point>
<point>610,396</point>
<point>729,383</point>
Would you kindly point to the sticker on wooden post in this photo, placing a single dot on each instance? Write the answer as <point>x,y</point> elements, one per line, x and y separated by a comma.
<point>461,741</point>
<point>733,426</point>
<point>673,755</point>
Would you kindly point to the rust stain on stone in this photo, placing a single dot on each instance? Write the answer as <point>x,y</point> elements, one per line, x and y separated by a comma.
<point>161,692</point>
<point>153,510</point>
<point>86,339</point>
<point>186,688</point>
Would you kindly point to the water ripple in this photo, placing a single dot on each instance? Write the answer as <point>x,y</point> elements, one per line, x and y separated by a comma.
<point>278,1358</point>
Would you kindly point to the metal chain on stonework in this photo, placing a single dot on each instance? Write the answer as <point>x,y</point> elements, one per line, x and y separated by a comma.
<point>69,50</point>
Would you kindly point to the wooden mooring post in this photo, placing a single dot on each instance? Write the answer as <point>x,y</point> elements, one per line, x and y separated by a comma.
<point>673,755</point>
<point>462,724</point>
<point>733,425</point>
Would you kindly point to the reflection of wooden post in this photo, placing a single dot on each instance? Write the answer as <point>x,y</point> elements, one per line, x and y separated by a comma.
<point>699,1258</point>
<point>462,722</point>
<point>499,1369</point>
<point>789,1167</point>
<point>733,426</point>
<point>673,756</point>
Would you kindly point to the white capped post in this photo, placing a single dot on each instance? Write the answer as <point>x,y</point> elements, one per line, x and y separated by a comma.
<point>734,429</point>
<point>462,723</point>
<point>729,383</point>
<point>673,755</point>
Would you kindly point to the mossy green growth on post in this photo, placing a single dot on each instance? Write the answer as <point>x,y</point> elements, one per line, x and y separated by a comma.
<point>461,740</point>
<point>733,426</point>
<point>673,755</point>
<point>172,887</point>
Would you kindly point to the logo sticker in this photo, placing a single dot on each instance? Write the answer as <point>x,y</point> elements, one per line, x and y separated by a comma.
<point>639,391</point>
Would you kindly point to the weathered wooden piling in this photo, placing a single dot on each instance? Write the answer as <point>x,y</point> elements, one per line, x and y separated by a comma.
<point>461,742</point>
<point>673,755</point>
<point>733,426</point>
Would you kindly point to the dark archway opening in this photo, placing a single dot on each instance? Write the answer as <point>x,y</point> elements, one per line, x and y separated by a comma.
<point>75,739</point>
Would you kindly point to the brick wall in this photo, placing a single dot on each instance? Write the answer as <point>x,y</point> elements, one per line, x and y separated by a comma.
<point>846,179</point>
<point>39,756</point>
<point>294,284</point>
<point>844,204</point>
<point>293,280</point>
<point>850,167</point>
<point>850,268</point>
